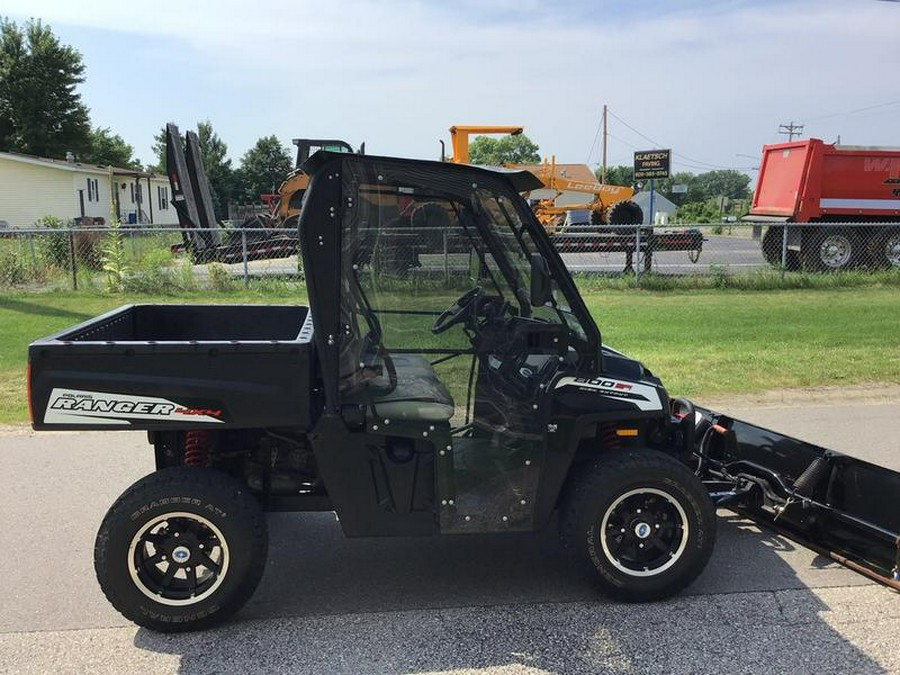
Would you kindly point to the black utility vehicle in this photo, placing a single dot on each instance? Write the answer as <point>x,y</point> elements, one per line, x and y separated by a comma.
<point>467,393</point>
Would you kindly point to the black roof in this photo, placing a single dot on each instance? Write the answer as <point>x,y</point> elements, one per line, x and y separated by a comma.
<point>521,180</point>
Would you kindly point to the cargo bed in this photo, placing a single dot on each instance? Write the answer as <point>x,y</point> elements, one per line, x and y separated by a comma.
<point>176,367</point>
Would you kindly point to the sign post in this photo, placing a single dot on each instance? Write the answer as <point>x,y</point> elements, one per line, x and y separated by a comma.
<point>649,165</point>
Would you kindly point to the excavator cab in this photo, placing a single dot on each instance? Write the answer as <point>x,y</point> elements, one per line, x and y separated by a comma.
<point>307,147</point>
<point>286,207</point>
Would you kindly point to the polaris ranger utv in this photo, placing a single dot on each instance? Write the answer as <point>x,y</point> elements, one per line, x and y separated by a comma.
<point>470,393</point>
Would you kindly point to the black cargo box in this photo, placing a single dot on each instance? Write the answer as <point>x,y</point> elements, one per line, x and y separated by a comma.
<point>177,367</point>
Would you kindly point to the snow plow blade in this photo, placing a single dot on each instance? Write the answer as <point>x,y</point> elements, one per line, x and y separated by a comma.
<point>837,505</point>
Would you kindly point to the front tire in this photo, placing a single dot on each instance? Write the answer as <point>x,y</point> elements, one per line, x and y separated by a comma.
<point>641,522</point>
<point>182,549</point>
<point>772,244</point>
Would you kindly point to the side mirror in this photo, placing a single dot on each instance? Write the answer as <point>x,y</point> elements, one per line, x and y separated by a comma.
<point>540,281</point>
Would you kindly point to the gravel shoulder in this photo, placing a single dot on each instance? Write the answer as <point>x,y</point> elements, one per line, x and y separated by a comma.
<point>874,392</point>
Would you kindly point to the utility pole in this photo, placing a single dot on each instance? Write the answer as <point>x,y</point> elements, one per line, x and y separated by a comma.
<point>603,170</point>
<point>790,130</point>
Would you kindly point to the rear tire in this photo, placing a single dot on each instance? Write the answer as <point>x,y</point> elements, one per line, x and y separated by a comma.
<point>886,249</point>
<point>625,212</point>
<point>182,549</point>
<point>641,523</point>
<point>831,250</point>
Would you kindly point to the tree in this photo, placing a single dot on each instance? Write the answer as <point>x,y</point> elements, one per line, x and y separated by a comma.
<point>213,154</point>
<point>219,173</point>
<point>159,149</point>
<point>41,113</point>
<point>723,183</point>
<point>708,211</point>
<point>617,175</point>
<point>108,148</point>
<point>263,168</point>
<point>685,178</point>
<point>491,151</point>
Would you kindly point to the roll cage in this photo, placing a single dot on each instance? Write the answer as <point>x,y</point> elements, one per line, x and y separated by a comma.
<point>330,239</point>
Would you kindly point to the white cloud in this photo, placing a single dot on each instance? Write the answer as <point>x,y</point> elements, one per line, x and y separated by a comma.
<point>708,82</point>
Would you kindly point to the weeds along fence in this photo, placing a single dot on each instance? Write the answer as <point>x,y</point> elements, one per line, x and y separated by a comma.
<point>157,260</point>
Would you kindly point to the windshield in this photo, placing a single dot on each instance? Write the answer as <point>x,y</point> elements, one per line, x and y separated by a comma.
<point>414,238</point>
<point>504,224</point>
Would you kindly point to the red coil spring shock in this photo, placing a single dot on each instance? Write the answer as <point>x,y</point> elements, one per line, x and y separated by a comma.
<point>196,448</point>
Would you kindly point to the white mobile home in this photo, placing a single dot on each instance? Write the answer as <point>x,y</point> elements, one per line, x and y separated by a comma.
<point>34,187</point>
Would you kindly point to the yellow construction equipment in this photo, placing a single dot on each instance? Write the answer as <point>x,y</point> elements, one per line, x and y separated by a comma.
<point>459,138</point>
<point>610,203</point>
<point>286,206</point>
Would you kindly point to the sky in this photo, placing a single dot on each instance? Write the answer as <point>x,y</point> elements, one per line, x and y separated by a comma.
<point>711,80</point>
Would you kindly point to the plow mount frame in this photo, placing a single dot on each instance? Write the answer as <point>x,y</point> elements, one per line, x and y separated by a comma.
<point>837,505</point>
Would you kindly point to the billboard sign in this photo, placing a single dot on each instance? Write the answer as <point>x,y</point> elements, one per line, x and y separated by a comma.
<point>650,164</point>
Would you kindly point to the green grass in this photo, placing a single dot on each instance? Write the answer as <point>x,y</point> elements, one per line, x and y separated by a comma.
<point>701,343</point>
<point>719,277</point>
<point>719,342</point>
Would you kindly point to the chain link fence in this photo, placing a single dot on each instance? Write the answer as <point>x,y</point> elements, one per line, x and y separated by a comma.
<point>154,260</point>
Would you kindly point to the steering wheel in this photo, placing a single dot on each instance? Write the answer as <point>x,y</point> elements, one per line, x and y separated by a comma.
<point>458,312</point>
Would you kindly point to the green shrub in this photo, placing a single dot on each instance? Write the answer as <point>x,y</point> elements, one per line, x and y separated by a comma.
<point>219,278</point>
<point>54,245</point>
<point>153,274</point>
<point>114,260</point>
<point>769,279</point>
<point>187,281</point>
<point>14,270</point>
<point>719,276</point>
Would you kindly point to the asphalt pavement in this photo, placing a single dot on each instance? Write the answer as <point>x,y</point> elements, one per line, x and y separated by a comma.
<point>734,254</point>
<point>482,604</point>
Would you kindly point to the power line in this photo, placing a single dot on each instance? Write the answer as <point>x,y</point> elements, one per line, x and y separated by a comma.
<point>698,164</point>
<point>623,141</point>
<point>688,163</point>
<point>852,112</point>
<point>646,138</point>
<point>594,142</point>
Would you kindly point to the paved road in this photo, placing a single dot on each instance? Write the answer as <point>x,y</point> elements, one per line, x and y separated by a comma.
<point>736,254</point>
<point>489,604</point>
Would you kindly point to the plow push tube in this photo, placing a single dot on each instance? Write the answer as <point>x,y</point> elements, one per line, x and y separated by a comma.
<point>837,505</point>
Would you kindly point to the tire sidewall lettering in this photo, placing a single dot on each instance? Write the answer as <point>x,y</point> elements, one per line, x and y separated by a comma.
<point>166,502</point>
